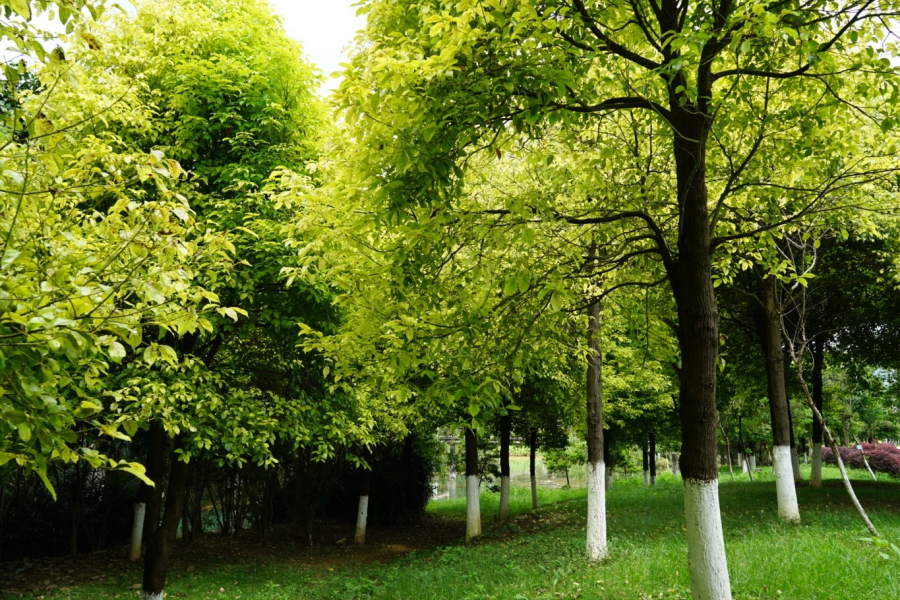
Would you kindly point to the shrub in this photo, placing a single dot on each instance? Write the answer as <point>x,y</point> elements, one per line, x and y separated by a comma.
<point>883,458</point>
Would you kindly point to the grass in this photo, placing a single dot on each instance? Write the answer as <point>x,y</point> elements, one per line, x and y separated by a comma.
<point>540,555</point>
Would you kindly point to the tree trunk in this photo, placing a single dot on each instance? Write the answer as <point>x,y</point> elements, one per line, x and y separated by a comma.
<point>675,464</point>
<point>156,467</point>
<point>362,514</point>
<point>473,506</point>
<point>728,452</point>
<point>698,340</point>
<point>596,483</point>
<point>533,468</point>
<point>159,547</point>
<point>137,531</point>
<point>505,428</point>
<point>652,458</point>
<point>607,460</point>
<point>646,462</point>
<point>769,321</point>
<point>795,458</point>
<point>818,352</point>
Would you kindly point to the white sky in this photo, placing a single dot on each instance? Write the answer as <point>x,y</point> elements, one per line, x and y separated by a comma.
<point>324,27</point>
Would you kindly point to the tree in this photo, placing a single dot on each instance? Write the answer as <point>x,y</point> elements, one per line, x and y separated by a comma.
<point>466,76</point>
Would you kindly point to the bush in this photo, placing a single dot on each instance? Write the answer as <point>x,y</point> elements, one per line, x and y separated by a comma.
<point>883,458</point>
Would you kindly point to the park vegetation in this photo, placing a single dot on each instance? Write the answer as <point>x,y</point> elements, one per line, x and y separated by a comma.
<point>631,236</point>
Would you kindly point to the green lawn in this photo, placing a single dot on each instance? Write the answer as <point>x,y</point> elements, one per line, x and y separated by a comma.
<point>542,557</point>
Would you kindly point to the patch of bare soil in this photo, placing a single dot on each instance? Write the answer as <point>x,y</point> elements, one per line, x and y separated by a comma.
<point>331,546</point>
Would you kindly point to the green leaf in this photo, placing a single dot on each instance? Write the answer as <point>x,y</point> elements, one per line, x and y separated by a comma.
<point>9,257</point>
<point>24,431</point>
<point>116,352</point>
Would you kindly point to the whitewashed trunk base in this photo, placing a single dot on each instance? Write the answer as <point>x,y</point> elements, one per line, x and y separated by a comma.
<point>815,476</point>
<point>647,477</point>
<point>534,497</point>
<point>609,480</point>
<point>137,531</point>
<point>151,596</point>
<point>473,508</point>
<point>707,563</point>
<point>653,480</point>
<point>596,512</point>
<point>743,462</point>
<point>753,462</point>
<point>784,485</point>
<point>362,516</point>
<point>504,497</point>
<point>795,465</point>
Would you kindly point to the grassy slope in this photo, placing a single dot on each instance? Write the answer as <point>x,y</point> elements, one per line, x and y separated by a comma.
<point>822,559</point>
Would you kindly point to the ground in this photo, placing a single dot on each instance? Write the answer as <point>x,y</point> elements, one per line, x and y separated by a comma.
<point>538,555</point>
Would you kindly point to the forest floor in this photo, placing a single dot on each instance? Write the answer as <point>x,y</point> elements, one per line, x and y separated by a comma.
<point>538,554</point>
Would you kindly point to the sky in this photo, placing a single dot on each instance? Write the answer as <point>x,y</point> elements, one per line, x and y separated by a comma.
<point>324,27</point>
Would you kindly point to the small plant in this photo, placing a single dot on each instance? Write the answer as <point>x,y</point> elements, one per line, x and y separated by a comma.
<point>884,547</point>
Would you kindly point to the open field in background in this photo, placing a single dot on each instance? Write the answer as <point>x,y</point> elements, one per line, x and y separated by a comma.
<point>539,553</point>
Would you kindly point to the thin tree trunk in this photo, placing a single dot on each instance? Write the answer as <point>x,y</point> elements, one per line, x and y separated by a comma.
<point>533,468</point>
<point>607,460</point>
<point>596,483</point>
<point>770,338</point>
<point>473,506</point>
<point>137,531</point>
<point>652,458</point>
<point>818,352</point>
<point>362,515</point>
<point>743,455</point>
<point>645,462</point>
<point>795,356</point>
<point>505,429</point>
<point>159,547</point>
<point>728,452</point>
<point>795,458</point>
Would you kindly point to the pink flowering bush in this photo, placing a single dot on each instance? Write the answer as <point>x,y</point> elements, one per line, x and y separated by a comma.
<point>883,458</point>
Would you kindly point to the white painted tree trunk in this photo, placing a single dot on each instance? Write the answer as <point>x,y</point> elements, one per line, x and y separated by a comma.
<point>784,485</point>
<point>151,596</point>
<point>647,477</point>
<point>609,478</point>
<point>596,512</point>
<point>137,531</point>
<point>753,462</point>
<point>504,497</point>
<point>534,497</point>
<point>653,480</point>
<point>815,475</point>
<point>743,461</point>
<point>795,465</point>
<point>706,543</point>
<point>361,517</point>
<point>473,508</point>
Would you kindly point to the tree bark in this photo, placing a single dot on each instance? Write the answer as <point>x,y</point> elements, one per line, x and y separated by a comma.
<point>818,352</point>
<point>505,429</point>
<point>596,484</point>
<point>473,506</point>
<point>156,466</point>
<point>159,547</point>
<point>607,460</point>
<point>652,458</point>
<point>698,340</point>
<point>362,514</point>
<point>769,322</point>
<point>533,468</point>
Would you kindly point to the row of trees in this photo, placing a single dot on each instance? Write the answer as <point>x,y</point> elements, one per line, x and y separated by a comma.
<point>527,217</point>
